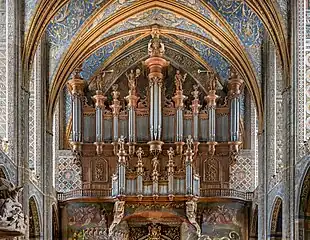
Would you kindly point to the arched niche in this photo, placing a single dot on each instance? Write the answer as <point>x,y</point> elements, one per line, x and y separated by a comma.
<point>34,220</point>
<point>304,208</point>
<point>276,220</point>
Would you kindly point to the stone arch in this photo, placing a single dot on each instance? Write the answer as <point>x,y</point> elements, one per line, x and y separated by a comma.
<point>254,224</point>
<point>276,220</point>
<point>34,219</point>
<point>55,219</point>
<point>304,207</point>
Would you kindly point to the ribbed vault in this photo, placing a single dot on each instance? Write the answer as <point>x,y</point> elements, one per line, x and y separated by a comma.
<point>80,31</point>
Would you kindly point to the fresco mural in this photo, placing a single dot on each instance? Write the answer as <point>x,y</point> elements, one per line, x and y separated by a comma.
<point>86,220</point>
<point>223,220</point>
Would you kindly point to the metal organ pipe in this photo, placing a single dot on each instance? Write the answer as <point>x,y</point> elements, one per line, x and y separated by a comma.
<point>76,87</point>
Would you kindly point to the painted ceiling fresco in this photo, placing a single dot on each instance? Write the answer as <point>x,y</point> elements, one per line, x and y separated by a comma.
<point>65,26</point>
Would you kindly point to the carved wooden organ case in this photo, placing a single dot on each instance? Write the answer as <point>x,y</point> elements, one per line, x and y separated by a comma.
<point>156,131</point>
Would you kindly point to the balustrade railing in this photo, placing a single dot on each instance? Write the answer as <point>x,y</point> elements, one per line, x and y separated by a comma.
<point>100,193</point>
<point>81,193</point>
<point>230,193</point>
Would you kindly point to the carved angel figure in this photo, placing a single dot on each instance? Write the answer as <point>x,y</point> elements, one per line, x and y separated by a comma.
<point>11,213</point>
<point>211,81</point>
<point>179,80</point>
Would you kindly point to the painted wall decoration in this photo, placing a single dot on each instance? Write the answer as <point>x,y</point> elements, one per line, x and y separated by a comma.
<point>247,26</point>
<point>86,220</point>
<point>215,60</point>
<point>160,17</point>
<point>93,62</point>
<point>68,174</point>
<point>220,220</point>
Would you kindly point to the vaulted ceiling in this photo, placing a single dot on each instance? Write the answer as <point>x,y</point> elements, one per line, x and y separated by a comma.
<point>213,34</point>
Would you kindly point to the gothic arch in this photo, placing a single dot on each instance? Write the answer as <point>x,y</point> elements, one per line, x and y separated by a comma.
<point>304,207</point>
<point>34,219</point>
<point>276,220</point>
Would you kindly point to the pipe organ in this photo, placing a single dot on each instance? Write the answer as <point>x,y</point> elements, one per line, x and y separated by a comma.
<point>154,143</point>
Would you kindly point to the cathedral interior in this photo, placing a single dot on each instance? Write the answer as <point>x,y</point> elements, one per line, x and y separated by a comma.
<point>155,120</point>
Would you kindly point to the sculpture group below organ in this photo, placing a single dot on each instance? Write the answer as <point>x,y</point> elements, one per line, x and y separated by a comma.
<point>156,133</point>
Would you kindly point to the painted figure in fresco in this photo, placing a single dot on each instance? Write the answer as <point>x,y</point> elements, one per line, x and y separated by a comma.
<point>179,80</point>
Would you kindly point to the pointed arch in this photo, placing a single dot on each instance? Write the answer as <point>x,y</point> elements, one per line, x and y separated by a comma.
<point>276,220</point>
<point>34,219</point>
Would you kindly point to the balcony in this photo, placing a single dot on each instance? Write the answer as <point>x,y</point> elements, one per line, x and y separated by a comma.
<point>107,194</point>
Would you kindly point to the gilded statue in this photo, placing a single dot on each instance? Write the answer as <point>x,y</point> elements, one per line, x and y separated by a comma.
<point>155,163</point>
<point>179,80</point>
